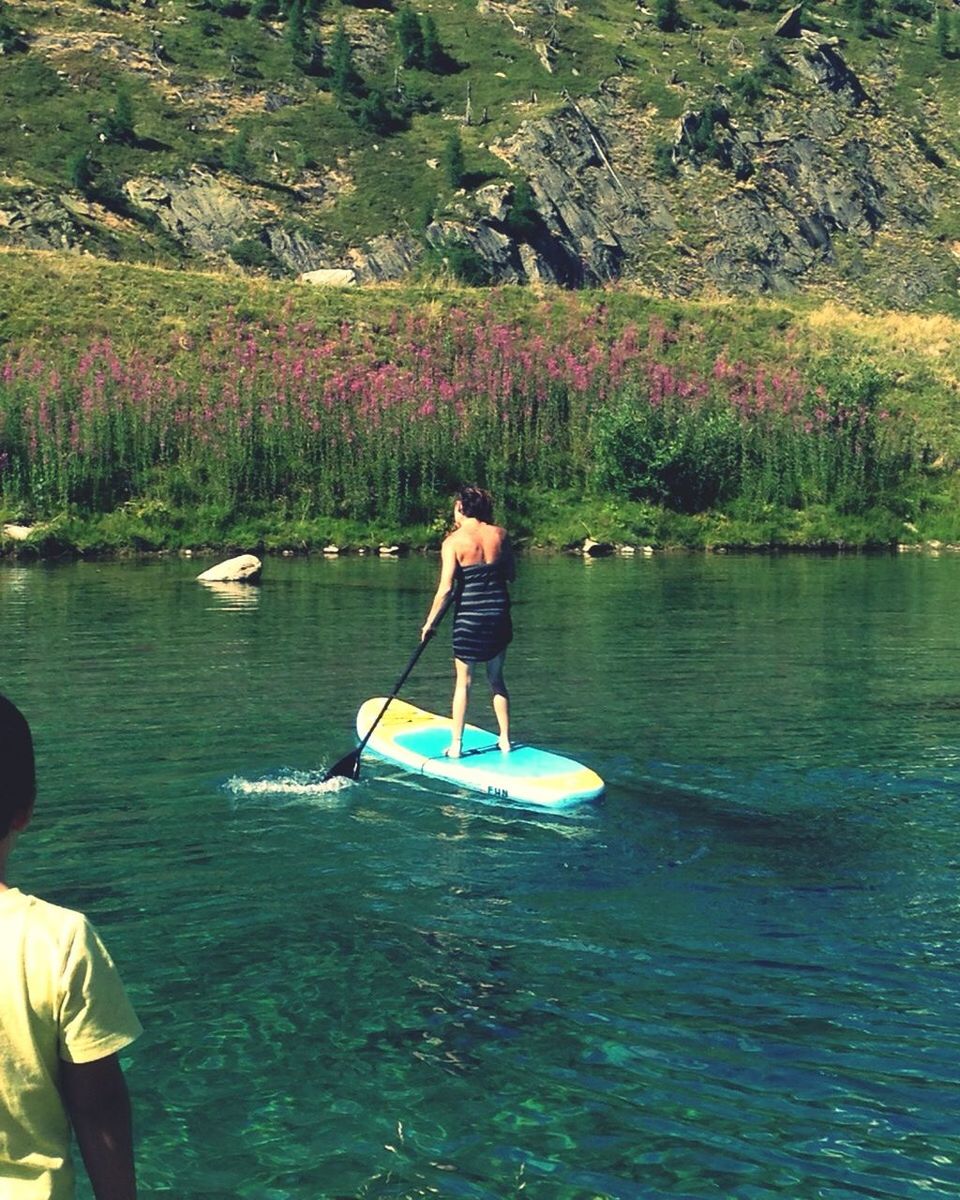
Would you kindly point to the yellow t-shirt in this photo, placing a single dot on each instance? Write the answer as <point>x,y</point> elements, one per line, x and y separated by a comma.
<point>60,998</point>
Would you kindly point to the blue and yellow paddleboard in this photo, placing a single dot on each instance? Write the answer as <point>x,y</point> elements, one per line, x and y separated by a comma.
<point>416,740</point>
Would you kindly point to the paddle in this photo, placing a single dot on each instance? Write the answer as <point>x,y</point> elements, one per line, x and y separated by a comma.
<point>349,766</point>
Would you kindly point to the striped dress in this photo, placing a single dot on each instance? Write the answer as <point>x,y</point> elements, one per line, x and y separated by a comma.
<point>481,624</point>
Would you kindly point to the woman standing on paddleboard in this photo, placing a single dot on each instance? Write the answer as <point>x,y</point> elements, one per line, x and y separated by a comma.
<point>476,564</point>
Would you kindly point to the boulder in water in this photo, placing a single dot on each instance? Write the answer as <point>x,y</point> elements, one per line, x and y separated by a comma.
<point>245,568</point>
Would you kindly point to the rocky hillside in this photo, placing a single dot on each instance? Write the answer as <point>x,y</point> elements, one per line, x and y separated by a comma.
<point>691,147</point>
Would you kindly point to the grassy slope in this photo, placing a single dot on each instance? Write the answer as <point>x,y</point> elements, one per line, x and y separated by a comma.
<point>217,71</point>
<point>44,295</point>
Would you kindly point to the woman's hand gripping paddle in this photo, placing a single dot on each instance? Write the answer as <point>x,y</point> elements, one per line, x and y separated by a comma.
<point>348,767</point>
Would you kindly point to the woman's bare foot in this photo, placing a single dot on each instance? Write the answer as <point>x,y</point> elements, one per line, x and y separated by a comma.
<point>453,752</point>
<point>504,744</point>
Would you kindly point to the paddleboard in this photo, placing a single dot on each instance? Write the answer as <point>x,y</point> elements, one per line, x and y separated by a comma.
<point>415,739</point>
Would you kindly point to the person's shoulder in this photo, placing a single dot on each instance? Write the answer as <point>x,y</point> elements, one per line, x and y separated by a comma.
<point>45,923</point>
<point>54,916</point>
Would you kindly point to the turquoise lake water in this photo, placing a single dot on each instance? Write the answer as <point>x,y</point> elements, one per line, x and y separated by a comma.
<point>737,976</point>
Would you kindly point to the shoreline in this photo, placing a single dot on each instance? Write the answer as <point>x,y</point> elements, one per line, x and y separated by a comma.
<point>23,551</point>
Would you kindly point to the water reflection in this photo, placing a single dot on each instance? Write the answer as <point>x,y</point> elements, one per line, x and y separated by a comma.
<point>234,596</point>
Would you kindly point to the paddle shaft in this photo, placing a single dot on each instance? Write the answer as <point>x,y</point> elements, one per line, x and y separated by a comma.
<point>414,658</point>
<point>349,766</point>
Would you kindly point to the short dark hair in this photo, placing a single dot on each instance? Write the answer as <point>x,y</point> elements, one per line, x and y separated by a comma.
<point>476,502</point>
<point>18,777</point>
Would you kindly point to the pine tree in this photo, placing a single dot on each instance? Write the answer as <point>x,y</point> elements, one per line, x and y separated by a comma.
<point>236,155</point>
<point>119,124</point>
<point>863,13</point>
<point>941,33</point>
<point>344,80</point>
<point>667,15</point>
<point>296,29</point>
<point>81,170</point>
<point>433,55</point>
<point>409,37</point>
<point>264,10</point>
<point>313,59</point>
<point>454,167</point>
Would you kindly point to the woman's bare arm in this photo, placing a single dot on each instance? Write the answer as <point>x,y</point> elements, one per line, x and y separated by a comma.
<point>448,572</point>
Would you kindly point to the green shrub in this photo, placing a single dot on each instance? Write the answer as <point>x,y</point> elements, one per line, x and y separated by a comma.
<point>664,166</point>
<point>465,264</point>
<point>666,453</point>
<point>701,139</point>
<point>11,39</point>
<point>921,10</point>
<point>251,252</point>
<point>523,221</point>
<point>376,115</point>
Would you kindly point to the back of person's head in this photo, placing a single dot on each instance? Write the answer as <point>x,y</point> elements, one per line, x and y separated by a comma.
<point>476,502</point>
<point>18,780</point>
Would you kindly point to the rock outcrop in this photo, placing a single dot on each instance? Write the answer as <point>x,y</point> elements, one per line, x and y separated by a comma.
<point>385,258</point>
<point>197,209</point>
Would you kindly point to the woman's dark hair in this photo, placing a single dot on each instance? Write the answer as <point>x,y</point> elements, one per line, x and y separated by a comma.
<point>18,780</point>
<point>476,502</point>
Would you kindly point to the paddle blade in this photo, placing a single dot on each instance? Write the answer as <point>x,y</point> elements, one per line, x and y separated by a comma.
<point>348,767</point>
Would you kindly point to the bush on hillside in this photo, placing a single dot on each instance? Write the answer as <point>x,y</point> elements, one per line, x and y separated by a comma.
<point>375,114</point>
<point>523,221</point>
<point>11,39</point>
<point>465,264</point>
<point>770,71</point>
<point>664,166</point>
<point>920,10</point>
<point>251,252</point>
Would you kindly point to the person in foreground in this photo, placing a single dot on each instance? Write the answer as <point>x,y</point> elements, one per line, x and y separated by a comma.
<point>63,1017</point>
<point>476,564</point>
